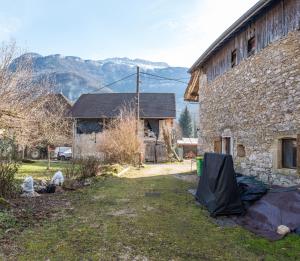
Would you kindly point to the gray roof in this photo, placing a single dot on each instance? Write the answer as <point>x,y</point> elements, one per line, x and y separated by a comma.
<point>107,105</point>
<point>248,16</point>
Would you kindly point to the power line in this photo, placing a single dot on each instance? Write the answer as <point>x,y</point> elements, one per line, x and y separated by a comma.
<point>184,78</point>
<point>154,76</point>
<point>162,77</point>
<point>147,78</point>
<point>112,83</point>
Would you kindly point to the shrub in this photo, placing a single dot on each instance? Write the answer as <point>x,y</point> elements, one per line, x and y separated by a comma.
<point>88,167</point>
<point>71,170</point>
<point>8,171</point>
<point>119,142</point>
<point>82,168</point>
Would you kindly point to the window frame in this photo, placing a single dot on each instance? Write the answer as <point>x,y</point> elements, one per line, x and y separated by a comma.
<point>234,58</point>
<point>283,140</point>
<point>251,42</point>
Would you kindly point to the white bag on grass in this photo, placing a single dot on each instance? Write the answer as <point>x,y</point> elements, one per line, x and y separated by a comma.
<point>58,178</point>
<point>27,185</point>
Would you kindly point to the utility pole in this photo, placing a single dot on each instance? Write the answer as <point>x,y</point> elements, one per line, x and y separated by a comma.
<point>137,99</point>
<point>138,110</point>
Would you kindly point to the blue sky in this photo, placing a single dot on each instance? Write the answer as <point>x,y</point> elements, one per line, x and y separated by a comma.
<point>173,31</point>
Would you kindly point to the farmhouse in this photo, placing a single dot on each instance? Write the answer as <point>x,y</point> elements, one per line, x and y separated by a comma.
<point>247,84</point>
<point>92,112</point>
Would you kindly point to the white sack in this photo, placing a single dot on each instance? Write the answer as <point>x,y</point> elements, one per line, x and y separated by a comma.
<point>58,178</point>
<point>27,185</point>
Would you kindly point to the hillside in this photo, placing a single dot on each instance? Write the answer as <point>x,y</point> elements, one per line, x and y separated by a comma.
<point>74,76</point>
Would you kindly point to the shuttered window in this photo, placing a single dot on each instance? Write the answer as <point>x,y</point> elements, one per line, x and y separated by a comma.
<point>289,153</point>
<point>233,58</point>
<point>218,145</point>
<point>251,46</point>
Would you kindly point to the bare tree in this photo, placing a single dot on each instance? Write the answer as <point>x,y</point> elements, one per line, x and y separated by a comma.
<point>54,126</point>
<point>17,89</point>
<point>29,111</point>
<point>18,92</point>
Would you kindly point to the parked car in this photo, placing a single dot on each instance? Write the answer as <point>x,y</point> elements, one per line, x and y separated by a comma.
<point>63,153</point>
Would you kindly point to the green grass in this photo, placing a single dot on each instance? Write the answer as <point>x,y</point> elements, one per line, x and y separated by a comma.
<point>114,220</point>
<point>38,169</point>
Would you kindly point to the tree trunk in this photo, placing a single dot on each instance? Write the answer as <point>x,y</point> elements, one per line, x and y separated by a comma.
<point>48,152</point>
<point>23,152</point>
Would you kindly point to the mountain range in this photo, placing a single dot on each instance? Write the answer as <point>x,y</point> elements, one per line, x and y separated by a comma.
<point>74,76</point>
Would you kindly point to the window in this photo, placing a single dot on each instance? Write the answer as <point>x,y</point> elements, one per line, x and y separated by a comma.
<point>289,153</point>
<point>151,128</point>
<point>227,143</point>
<point>88,126</point>
<point>233,58</point>
<point>241,152</point>
<point>251,46</point>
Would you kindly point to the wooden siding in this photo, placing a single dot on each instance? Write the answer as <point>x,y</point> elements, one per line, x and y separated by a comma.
<point>282,17</point>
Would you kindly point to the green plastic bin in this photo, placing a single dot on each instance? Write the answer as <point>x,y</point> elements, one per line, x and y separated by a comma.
<point>199,161</point>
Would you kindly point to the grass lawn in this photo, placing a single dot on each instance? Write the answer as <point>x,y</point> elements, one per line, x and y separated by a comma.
<point>38,169</point>
<point>150,218</point>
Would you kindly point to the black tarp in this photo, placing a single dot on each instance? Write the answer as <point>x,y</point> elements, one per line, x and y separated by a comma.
<point>250,189</point>
<point>277,207</point>
<point>217,188</point>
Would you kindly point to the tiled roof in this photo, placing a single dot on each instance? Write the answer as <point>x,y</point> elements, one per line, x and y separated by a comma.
<point>107,105</point>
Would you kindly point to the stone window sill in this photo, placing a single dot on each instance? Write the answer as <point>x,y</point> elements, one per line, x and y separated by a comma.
<point>288,172</point>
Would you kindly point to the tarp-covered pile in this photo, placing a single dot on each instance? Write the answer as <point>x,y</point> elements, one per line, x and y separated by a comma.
<point>223,192</point>
<point>271,211</point>
<point>218,188</point>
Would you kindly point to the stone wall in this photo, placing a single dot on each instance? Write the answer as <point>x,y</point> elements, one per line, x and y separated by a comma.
<point>257,102</point>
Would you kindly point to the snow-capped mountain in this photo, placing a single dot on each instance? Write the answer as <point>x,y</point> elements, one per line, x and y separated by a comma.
<point>74,76</point>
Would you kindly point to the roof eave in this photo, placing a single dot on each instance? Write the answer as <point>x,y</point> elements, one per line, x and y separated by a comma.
<point>231,30</point>
<point>115,117</point>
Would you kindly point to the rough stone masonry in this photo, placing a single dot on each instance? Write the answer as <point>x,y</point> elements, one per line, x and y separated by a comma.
<point>257,103</point>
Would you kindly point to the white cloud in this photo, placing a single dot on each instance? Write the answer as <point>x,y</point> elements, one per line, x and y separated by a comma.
<point>197,30</point>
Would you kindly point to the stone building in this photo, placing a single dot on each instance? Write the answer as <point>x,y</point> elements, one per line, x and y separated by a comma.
<point>92,112</point>
<point>248,87</point>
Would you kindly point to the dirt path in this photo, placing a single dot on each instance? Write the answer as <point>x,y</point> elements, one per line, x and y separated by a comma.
<point>178,170</point>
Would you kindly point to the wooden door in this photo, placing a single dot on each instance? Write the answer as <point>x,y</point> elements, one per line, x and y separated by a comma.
<point>218,145</point>
<point>227,144</point>
<point>150,152</point>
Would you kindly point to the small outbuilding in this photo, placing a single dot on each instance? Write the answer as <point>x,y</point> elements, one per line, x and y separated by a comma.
<point>187,147</point>
<point>92,112</point>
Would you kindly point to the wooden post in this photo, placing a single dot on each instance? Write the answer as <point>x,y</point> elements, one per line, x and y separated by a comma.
<point>140,159</point>
<point>74,138</point>
<point>137,99</point>
<point>48,150</point>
